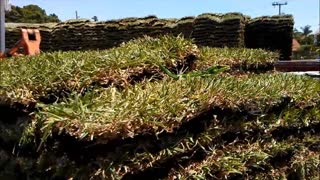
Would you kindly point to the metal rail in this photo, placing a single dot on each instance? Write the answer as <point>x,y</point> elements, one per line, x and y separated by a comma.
<point>298,65</point>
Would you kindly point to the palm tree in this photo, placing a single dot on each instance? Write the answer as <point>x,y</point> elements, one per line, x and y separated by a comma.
<point>95,18</point>
<point>306,30</point>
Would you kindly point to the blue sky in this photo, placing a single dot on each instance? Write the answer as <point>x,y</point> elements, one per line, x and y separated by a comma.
<point>306,12</point>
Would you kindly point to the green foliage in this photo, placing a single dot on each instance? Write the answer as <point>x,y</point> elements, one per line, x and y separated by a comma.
<point>308,49</point>
<point>30,14</point>
<point>307,52</point>
<point>306,30</point>
<point>296,33</point>
<point>307,40</point>
<point>304,36</point>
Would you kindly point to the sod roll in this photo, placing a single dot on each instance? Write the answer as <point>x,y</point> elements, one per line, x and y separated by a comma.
<point>272,33</point>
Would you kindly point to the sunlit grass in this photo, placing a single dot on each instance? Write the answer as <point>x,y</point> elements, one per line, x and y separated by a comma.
<point>157,106</point>
<point>25,77</point>
<point>28,78</point>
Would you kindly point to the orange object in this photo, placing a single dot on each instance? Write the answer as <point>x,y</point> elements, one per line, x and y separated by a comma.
<point>30,42</point>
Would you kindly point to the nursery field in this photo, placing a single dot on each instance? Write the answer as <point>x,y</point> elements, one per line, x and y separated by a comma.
<point>157,108</point>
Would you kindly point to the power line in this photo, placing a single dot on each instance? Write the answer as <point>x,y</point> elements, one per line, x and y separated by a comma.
<point>280,5</point>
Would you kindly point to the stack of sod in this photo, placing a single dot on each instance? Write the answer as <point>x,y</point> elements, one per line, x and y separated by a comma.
<point>215,30</point>
<point>219,30</point>
<point>138,109</point>
<point>150,25</point>
<point>184,26</point>
<point>150,128</point>
<point>295,158</point>
<point>273,33</point>
<point>52,75</point>
<point>85,35</point>
<point>153,126</point>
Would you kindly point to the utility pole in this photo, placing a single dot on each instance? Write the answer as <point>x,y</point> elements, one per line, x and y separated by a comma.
<point>77,17</point>
<point>279,4</point>
<point>2,26</point>
<point>317,33</point>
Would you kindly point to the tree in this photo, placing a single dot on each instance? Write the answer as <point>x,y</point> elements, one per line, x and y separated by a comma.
<point>304,36</point>
<point>95,18</point>
<point>306,30</point>
<point>53,18</point>
<point>306,40</point>
<point>297,34</point>
<point>30,14</point>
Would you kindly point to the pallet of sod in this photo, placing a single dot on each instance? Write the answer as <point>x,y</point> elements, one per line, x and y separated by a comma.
<point>154,121</point>
<point>51,76</point>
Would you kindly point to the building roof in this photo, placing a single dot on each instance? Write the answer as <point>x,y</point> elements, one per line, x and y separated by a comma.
<point>295,45</point>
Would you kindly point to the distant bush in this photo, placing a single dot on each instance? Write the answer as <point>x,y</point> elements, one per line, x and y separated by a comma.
<point>30,14</point>
<point>307,52</point>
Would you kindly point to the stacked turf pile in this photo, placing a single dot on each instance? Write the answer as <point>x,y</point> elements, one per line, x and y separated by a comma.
<point>213,30</point>
<point>150,25</point>
<point>86,35</point>
<point>184,26</point>
<point>216,30</point>
<point>60,73</point>
<point>13,33</point>
<point>273,33</point>
<point>122,116</point>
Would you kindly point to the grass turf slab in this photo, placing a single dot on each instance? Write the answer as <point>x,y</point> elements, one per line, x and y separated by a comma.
<point>164,155</point>
<point>239,59</point>
<point>152,108</point>
<point>52,75</point>
<point>254,168</point>
<point>28,78</point>
<point>146,162</point>
<point>195,147</point>
<point>239,160</point>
